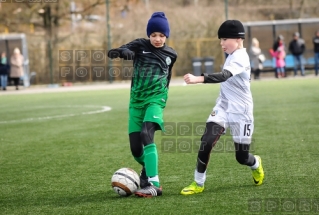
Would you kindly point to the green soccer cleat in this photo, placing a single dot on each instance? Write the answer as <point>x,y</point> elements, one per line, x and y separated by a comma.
<point>258,174</point>
<point>193,188</point>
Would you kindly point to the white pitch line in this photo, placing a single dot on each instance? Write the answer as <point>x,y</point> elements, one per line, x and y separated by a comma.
<point>104,109</point>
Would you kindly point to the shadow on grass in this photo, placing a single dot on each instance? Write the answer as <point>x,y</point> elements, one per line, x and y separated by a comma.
<point>110,197</point>
<point>70,200</point>
<point>59,200</point>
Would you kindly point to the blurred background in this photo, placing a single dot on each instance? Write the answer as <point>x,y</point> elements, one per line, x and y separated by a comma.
<point>49,31</point>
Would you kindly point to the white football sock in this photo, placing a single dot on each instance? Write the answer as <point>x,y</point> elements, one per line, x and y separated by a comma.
<point>155,178</point>
<point>256,165</point>
<point>200,178</point>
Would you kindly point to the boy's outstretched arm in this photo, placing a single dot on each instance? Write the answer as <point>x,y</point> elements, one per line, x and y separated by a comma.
<point>126,51</point>
<point>208,78</point>
<point>217,77</point>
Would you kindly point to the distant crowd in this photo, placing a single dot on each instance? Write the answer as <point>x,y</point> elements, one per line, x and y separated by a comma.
<point>296,48</point>
<point>12,69</point>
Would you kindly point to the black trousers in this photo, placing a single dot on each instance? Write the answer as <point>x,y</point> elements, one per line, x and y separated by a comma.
<point>16,81</point>
<point>256,73</point>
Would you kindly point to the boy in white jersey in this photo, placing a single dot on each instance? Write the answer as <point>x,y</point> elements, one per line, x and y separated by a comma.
<point>233,109</point>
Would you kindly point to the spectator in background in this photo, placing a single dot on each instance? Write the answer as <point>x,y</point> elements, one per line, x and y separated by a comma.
<point>316,50</point>
<point>297,47</point>
<point>280,55</point>
<point>4,68</point>
<point>280,39</point>
<point>257,58</point>
<point>16,71</point>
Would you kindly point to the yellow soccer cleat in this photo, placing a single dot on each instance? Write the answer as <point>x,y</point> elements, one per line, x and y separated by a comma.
<point>193,188</point>
<point>258,174</point>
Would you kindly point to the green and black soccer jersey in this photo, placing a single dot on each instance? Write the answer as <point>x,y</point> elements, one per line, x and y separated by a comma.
<point>151,73</point>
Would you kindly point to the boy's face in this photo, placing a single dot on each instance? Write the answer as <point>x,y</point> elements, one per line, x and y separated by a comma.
<point>157,39</point>
<point>229,45</point>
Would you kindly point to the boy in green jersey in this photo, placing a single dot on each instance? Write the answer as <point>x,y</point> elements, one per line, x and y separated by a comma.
<point>153,61</point>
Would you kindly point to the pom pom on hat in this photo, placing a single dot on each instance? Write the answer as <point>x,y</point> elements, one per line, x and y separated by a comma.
<point>231,29</point>
<point>158,23</point>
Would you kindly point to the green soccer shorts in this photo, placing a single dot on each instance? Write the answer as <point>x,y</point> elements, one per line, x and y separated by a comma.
<point>151,113</point>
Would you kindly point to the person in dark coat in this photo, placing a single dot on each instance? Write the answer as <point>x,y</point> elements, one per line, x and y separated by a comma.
<point>316,51</point>
<point>297,47</point>
<point>4,70</point>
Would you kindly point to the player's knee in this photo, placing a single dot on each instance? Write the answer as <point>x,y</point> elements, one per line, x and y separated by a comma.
<point>136,144</point>
<point>207,141</point>
<point>147,132</point>
<point>136,151</point>
<point>146,137</point>
<point>211,135</point>
<point>242,157</point>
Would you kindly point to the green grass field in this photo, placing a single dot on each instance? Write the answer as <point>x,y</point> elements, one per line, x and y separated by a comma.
<point>57,156</point>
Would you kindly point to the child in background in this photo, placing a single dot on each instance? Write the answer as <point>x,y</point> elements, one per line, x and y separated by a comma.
<point>280,55</point>
<point>257,58</point>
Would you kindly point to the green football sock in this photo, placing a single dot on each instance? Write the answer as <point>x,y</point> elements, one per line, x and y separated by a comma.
<point>140,159</point>
<point>151,162</point>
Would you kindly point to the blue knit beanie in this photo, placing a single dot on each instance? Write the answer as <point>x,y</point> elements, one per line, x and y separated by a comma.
<point>158,23</point>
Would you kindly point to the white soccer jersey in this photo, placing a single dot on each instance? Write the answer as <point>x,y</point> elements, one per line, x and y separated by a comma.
<point>235,95</point>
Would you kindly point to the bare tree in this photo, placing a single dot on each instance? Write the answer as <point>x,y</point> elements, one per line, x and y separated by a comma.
<point>302,6</point>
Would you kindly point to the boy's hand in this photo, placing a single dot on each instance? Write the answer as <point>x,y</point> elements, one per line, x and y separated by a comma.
<point>191,79</point>
<point>128,54</point>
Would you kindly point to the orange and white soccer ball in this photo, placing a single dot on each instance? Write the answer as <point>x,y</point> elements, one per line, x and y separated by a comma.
<point>125,181</point>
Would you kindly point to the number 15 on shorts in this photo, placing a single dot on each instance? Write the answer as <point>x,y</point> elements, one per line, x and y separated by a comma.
<point>247,130</point>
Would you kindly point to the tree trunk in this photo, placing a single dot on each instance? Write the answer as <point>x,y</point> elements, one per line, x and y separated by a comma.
<point>302,7</point>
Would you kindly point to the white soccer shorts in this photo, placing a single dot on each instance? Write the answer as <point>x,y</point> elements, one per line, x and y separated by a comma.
<point>241,125</point>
